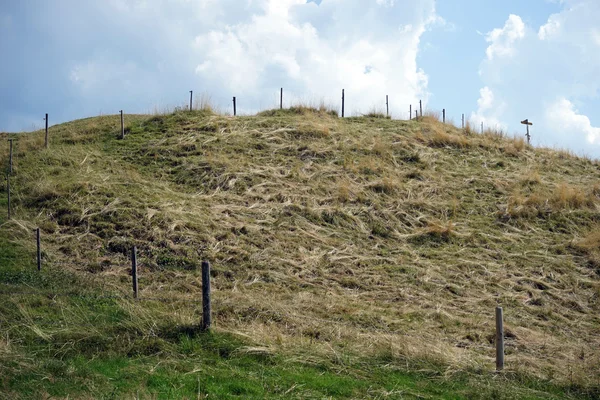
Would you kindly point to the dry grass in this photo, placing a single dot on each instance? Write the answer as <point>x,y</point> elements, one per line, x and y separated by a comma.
<point>438,135</point>
<point>328,234</point>
<point>589,246</point>
<point>544,200</point>
<point>468,129</point>
<point>432,116</point>
<point>302,109</point>
<point>376,113</point>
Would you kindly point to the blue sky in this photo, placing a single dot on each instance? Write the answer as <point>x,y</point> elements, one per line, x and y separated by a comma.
<point>496,61</point>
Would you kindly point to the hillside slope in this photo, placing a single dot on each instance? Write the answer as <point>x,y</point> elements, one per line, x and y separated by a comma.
<point>393,240</point>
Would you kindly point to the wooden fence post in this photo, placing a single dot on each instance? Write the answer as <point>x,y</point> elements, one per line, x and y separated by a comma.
<point>234,108</point>
<point>46,137</point>
<point>410,112</point>
<point>281,99</point>
<point>39,249</point>
<point>134,274</point>
<point>416,115</point>
<point>10,158</point>
<point>122,125</point>
<point>421,108</point>
<point>444,115</point>
<point>387,106</point>
<point>482,127</point>
<point>499,340</point>
<point>205,295</point>
<point>343,101</point>
<point>463,121</point>
<point>8,192</point>
<point>191,97</point>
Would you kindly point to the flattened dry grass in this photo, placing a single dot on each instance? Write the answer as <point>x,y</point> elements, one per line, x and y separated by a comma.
<point>376,236</point>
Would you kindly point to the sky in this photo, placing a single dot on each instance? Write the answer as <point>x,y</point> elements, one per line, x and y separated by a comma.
<point>498,62</point>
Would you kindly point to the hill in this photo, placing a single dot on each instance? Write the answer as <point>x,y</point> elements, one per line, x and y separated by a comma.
<point>357,257</point>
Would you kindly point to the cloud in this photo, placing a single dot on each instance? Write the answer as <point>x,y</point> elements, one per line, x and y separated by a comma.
<point>310,51</point>
<point>528,69</point>
<point>138,54</point>
<point>551,28</point>
<point>563,115</point>
<point>488,110</point>
<point>502,40</point>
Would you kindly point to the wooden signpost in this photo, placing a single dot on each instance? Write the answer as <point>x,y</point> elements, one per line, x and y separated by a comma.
<point>528,124</point>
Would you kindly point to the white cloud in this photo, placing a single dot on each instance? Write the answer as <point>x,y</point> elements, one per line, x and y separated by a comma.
<point>486,99</point>
<point>160,49</point>
<point>558,60</point>
<point>596,36</point>
<point>552,27</point>
<point>563,115</point>
<point>488,110</point>
<point>309,50</point>
<point>502,40</point>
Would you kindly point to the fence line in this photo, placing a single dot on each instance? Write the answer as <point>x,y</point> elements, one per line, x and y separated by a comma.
<point>206,300</point>
<point>206,291</point>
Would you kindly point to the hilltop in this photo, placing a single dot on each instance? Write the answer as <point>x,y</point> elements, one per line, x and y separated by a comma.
<point>355,257</point>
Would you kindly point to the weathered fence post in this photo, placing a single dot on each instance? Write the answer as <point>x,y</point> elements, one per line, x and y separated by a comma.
<point>122,125</point>
<point>234,108</point>
<point>444,115</point>
<point>482,127</point>
<point>463,121</point>
<point>8,192</point>
<point>387,106</point>
<point>134,274</point>
<point>499,340</point>
<point>410,112</point>
<point>205,295</point>
<point>416,115</point>
<point>46,137</point>
<point>420,108</point>
<point>10,157</point>
<point>343,101</point>
<point>191,97</point>
<point>39,249</point>
<point>281,99</point>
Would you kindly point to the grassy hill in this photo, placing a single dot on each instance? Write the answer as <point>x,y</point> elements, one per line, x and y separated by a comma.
<point>358,258</point>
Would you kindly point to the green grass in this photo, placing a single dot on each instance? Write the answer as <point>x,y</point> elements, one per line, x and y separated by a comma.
<point>352,258</point>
